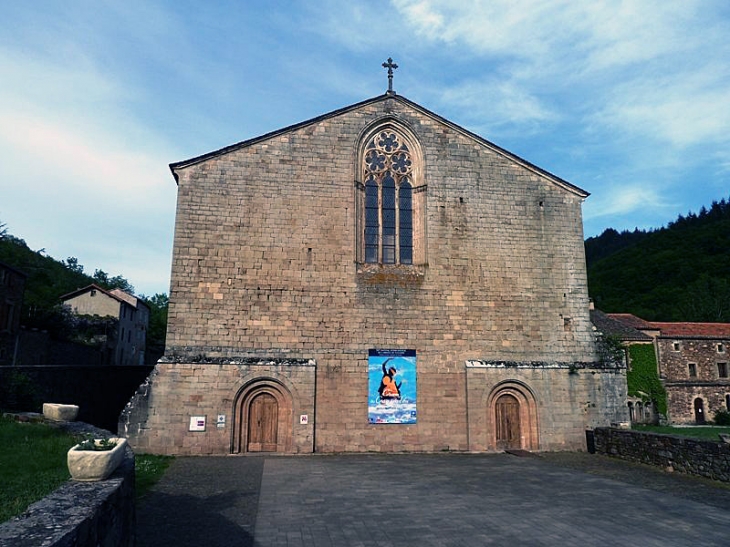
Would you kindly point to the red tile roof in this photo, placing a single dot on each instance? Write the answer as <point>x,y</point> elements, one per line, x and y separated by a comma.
<point>675,330</point>
<point>693,330</point>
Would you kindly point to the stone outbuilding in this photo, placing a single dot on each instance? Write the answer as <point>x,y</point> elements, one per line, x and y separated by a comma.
<point>693,365</point>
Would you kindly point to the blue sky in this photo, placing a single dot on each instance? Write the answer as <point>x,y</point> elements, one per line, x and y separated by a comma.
<point>630,100</point>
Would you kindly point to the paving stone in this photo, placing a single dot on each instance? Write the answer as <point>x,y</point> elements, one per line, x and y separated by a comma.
<point>430,499</point>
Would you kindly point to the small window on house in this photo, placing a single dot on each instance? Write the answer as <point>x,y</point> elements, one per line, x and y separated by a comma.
<point>692,370</point>
<point>722,370</point>
<point>675,346</point>
<point>93,292</point>
<point>720,348</point>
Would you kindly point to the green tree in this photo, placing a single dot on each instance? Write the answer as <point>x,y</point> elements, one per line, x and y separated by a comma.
<point>49,279</point>
<point>157,328</point>
<point>102,279</point>
<point>72,263</point>
<point>677,273</point>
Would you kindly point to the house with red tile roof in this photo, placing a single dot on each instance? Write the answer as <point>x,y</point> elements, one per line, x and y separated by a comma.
<point>126,345</point>
<point>693,365</point>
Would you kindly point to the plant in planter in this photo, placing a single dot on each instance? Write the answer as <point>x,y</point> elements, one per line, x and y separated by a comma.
<point>95,459</point>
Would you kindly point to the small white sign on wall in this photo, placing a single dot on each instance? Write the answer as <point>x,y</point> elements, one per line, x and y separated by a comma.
<point>304,419</point>
<point>197,423</point>
<point>221,421</point>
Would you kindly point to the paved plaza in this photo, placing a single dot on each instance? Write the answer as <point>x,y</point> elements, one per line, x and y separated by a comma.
<point>429,500</point>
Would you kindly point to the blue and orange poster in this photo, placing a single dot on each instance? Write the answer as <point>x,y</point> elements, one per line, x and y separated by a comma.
<point>392,386</point>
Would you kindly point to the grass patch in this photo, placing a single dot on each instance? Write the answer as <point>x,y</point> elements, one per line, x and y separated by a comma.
<point>148,469</point>
<point>32,464</point>
<point>708,433</point>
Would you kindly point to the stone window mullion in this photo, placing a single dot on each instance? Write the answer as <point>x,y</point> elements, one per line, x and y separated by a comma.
<point>390,233</point>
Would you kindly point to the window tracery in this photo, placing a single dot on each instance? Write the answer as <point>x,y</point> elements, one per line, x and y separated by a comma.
<point>388,168</point>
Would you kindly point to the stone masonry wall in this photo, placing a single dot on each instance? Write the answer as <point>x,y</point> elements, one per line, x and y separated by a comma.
<point>703,458</point>
<point>708,384</point>
<point>80,514</point>
<point>703,353</point>
<point>271,226</point>
<point>264,265</point>
<point>568,400</point>
<point>681,399</point>
<point>157,419</point>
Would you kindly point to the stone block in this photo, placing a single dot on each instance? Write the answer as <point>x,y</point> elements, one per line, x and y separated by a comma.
<point>60,412</point>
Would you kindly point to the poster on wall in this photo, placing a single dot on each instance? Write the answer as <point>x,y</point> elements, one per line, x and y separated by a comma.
<point>392,386</point>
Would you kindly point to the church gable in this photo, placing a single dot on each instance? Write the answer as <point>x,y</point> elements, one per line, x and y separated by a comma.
<point>307,258</point>
<point>372,198</point>
<point>392,103</point>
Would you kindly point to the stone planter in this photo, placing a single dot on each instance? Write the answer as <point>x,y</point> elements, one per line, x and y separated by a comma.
<point>60,413</point>
<point>95,465</point>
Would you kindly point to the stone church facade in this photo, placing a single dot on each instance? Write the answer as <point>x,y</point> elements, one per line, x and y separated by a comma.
<point>377,229</point>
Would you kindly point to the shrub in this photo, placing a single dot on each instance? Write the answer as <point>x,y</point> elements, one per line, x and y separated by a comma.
<point>19,392</point>
<point>722,417</point>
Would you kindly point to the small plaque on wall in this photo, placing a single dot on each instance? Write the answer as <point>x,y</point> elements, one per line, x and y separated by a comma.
<point>197,423</point>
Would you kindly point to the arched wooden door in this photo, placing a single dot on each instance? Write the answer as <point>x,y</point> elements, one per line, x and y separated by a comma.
<point>507,422</point>
<point>263,423</point>
<point>699,411</point>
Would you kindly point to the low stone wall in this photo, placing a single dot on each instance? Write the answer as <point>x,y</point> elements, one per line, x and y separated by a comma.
<point>703,458</point>
<point>80,514</point>
<point>101,392</point>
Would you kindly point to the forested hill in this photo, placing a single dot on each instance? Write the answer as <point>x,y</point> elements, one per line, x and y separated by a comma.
<point>49,279</point>
<point>677,273</point>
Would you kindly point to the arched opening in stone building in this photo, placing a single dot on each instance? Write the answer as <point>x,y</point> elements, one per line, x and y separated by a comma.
<point>263,418</point>
<point>507,422</point>
<point>699,411</point>
<point>512,416</point>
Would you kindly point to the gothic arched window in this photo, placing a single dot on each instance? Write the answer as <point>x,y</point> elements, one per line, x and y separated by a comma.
<point>392,227</point>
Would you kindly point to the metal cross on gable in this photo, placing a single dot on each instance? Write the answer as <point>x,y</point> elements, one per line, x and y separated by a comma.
<point>390,65</point>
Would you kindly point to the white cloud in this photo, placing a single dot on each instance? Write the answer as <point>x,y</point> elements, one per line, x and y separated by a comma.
<point>554,33</point>
<point>622,199</point>
<point>79,176</point>
<point>681,109</point>
<point>493,102</point>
